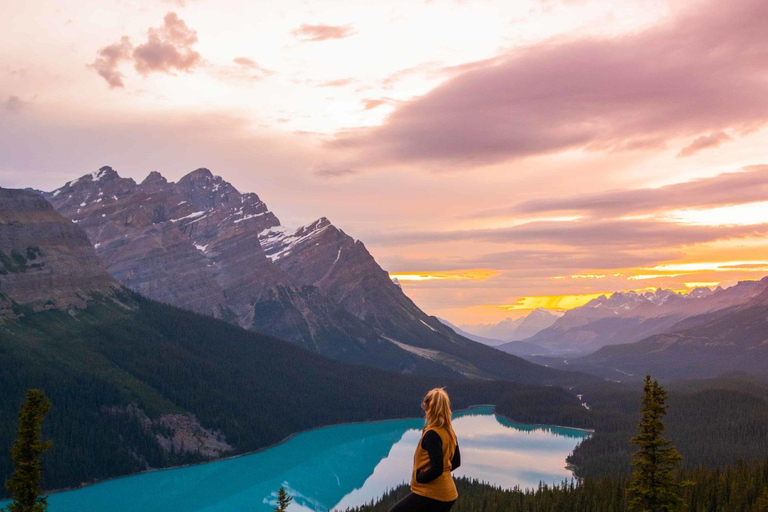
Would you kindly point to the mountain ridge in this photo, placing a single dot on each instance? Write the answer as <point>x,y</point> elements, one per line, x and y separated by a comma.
<point>202,245</point>
<point>627,317</point>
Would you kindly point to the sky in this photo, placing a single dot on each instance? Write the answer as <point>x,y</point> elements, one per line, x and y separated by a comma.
<point>494,156</point>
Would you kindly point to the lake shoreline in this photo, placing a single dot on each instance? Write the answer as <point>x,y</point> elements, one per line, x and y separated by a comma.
<point>291,436</point>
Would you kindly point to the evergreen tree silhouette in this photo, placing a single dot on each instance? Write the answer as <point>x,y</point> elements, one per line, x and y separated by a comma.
<point>654,487</point>
<point>282,500</point>
<point>24,484</point>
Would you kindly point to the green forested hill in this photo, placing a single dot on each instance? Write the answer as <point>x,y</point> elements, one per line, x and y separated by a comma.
<point>711,421</point>
<point>117,370</point>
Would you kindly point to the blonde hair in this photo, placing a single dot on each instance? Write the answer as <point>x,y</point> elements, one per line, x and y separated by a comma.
<point>437,407</point>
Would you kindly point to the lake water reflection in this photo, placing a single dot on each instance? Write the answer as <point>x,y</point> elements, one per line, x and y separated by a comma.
<point>335,467</point>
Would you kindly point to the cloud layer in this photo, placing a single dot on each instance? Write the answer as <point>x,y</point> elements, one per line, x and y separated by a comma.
<point>727,189</point>
<point>167,49</point>
<point>696,76</point>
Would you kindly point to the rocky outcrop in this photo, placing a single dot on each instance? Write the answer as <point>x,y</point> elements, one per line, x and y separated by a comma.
<point>46,261</point>
<point>176,434</point>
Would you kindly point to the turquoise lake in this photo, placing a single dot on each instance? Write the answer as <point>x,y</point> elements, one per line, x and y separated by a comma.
<point>335,468</point>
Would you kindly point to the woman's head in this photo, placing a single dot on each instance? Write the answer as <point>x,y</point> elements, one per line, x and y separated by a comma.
<point>437,407</point>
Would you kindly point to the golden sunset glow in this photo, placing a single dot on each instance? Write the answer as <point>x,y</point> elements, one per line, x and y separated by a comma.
<point>722,266</point>
<point>552,302</point>
<point>582,276</point>
<point>451,275</point>
<point>710,284</point>
<point>748,214</point>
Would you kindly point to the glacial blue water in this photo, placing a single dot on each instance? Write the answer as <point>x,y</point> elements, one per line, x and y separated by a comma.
<point>335,468</point>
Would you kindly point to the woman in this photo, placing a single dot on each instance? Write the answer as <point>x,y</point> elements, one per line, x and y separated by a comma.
<point>437,454</point>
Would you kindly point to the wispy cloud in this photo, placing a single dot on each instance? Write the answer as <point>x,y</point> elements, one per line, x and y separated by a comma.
<point>705,141</point>
<point>243,69</point>
<point>315,33</point>
<point>339,82</point>
<point>725,189</point>
<point>334,172</point>
<point>593,234</point>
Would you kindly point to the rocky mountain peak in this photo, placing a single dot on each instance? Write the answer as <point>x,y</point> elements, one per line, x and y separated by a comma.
<point>198,174</point>
<point>154,177</point>
<point>201,188</point>
<point>314,227</point>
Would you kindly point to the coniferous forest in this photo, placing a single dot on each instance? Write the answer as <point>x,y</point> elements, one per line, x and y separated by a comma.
<point>742,487</point>
<point>657,482</point>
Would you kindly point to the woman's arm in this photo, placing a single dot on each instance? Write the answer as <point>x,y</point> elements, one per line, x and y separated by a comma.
<point>456,460</point>
<point>434,446</point>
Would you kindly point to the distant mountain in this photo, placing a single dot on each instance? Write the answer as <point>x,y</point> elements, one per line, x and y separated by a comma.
<point>201,245</point>
<point>137,384</point>
<point>733,339</point>
<point>480,339</point>
<point>517,329</point>
<point>534,322</point>
<point>626,317</point>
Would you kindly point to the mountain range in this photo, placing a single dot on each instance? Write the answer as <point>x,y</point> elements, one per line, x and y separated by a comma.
<point>734,338</point>
<point>514,329</point>
<point>200,244</point>
<point>138,384</point>
<point>627,317</point>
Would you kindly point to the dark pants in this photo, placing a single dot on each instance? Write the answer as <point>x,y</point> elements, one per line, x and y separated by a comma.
<point>415,503</point>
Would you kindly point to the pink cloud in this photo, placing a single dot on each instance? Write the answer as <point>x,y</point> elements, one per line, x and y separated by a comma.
<point>314,33</point>
<point>108,60</point>
<point>370,104</point>
<point>244,70</point>
<point>702,72</point>
<point>246,62</point>
<point>705,141</point>
<point>340,82</point>
<point>167,48</point>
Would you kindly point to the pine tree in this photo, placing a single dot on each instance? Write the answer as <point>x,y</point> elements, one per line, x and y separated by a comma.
<point>24,484</point>
<point>654,487</point>
<point>282,500</point>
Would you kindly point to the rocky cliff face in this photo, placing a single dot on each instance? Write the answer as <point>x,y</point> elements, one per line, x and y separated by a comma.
<point>202,245</point>
<point>46,262</point>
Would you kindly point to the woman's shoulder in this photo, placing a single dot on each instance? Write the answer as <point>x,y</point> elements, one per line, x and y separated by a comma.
<point>439,431</point>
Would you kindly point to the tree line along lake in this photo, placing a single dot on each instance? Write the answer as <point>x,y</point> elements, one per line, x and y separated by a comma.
<point>336,467</point>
